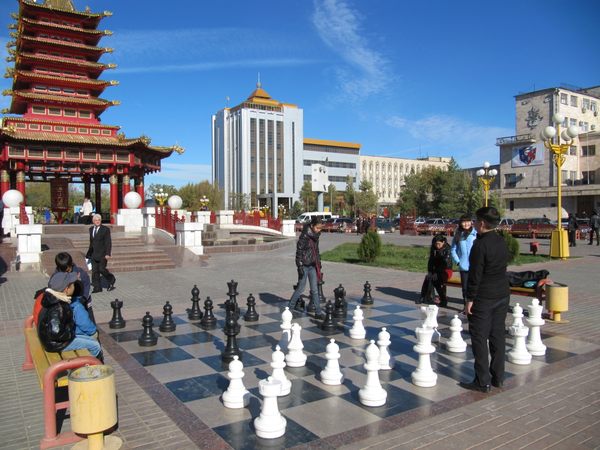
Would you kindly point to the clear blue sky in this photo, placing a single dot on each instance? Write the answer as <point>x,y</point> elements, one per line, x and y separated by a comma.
<point>402,78</point>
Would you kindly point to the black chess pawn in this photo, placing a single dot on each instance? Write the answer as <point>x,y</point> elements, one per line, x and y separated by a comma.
<point>251,314</point>
<point>231,346</point>
<point>195,313</point>
<point>341,307</point>
<point>329,325</point>
<point>209,320</point>
<point>148,338</point>
<point>167,325</point>
<point>367,299</point>
<point>117,319</point>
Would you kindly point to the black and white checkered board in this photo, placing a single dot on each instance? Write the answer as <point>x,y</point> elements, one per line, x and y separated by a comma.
<point>188,363</point>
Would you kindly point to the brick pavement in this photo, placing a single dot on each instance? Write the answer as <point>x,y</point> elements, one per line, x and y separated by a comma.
<point>560,412</point>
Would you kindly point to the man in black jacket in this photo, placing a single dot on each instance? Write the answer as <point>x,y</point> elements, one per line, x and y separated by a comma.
<point>99,252</point>
<point>308,263</point>
<point>488,295</point>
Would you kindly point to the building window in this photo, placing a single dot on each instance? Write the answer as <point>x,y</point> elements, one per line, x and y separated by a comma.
<point>54,111</point>
<point>106,133</point>
<point>593,106</point>
<point>46,128</point>
<point>38,110</point>
<point>70,113</point>
<point>588,150</point>
<point>565,123</point>
<point>59,129</point>
<point>564,98</point>
<point>573,150</point>
<point>573,100</point>
<point>85,114</point>
<point>510,180</point>
<point>585,104</point>
<point>573,122</point>
<point>94,131</point>
<point>588,177</point>
<point>34,126</point>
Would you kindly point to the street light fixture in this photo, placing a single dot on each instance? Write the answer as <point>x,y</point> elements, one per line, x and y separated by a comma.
<point>204,203</point>
<point>486,178</point>
<point>161,197</point>
<point>558,143</point>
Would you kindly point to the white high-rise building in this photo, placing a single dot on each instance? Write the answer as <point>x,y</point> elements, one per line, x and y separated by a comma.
<point>257,149</point>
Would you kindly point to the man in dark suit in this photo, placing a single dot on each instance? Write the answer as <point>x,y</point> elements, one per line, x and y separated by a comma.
<point>99,252</point>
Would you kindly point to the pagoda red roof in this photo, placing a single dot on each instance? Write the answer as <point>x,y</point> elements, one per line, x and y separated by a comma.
<point>87,49</point>
<point>66,8</point>
<point>28,75</point>
<point>92,35</point>
<point>61,62</point>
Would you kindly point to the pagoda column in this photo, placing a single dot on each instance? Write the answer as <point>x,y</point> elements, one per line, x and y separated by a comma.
<point>4,181</point>
<point>87,186</point>
<point>98,184</point>
<point>139,187</point>
<point>21,184</point>
<point>126,185</point>
<point>114,197</point>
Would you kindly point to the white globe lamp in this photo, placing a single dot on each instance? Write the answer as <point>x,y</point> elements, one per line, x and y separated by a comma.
<point>12,198</point>
<point>132,200</point>
<point>175,202</point>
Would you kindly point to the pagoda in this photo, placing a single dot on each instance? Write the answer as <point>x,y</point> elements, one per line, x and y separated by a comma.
<point>53,131</point>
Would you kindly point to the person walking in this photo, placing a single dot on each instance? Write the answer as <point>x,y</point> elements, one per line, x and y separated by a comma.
<point>488,295</point>
<point>308,264</point>
<point>462,242</point>
<point>572,227</point>
<point>99,252</point>
<point>86,211</point>
<point>594,228</point>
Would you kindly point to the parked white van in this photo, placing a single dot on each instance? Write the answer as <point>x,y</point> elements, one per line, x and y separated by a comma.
<point>307,216</point>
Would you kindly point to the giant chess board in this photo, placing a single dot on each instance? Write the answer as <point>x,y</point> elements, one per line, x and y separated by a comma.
<point>187,363</point>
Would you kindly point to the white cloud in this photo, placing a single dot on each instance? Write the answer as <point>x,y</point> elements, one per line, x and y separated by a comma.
<point>339,27</point>
<point>469,143</point>
<point>179,174</point>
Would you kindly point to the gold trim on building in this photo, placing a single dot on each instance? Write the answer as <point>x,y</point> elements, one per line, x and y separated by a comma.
<point>332,143</point>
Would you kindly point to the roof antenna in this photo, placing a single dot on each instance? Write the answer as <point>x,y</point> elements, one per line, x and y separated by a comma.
<point>258,84</point>
<point>227,101</point>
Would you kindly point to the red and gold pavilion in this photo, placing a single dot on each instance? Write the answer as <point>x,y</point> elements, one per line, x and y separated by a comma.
<point>54,131</point>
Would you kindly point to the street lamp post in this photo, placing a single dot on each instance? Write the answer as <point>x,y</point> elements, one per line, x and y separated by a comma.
<point>486,178</point>
<point>558,143</point>
<point>161,197</point>
<point>204,203</point>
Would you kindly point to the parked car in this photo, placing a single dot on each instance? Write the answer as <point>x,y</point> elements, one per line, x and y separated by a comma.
<point>386,225</point>
<point>432,226</point>
<point>506,224</point>
<point>339,225</point>
<point>540,226</point>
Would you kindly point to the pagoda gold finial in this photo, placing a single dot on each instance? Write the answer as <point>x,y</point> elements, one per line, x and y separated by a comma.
<point>107,13</point>
<point>6,92</point>
<point>108,33</point>
<point>14,15</point>
<point>113,82</point>
<point>111,66</point>
<point>5,111</point>
<point>13,34</point>
<point>10,72</point>
<point>108,49</point>
<point>116,102</point>
<point>12,26</point>
<point>179,149</point>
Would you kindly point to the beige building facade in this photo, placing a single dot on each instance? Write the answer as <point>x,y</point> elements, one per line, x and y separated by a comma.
<point>527,171</point>
<point>387,174</point>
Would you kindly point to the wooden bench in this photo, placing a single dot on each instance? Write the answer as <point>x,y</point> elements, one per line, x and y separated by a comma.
<point>539,291</point>
<point>52,371</point>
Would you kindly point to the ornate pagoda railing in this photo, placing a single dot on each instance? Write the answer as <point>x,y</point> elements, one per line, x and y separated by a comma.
<point>166,220</point>
<point>256,219</point>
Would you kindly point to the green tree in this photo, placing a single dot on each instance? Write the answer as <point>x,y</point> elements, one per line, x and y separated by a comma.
<point>38,194</point>
<point>350,195</point>
<point>308,197</point>
<point>296,210</point>
<point>414,197</point>
<point>331,196</point>
<point>370,247</point>
<point>191,194</point>
<point>366,199</point>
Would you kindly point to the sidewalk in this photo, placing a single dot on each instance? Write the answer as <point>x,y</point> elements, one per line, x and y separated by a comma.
<point>561,410</point>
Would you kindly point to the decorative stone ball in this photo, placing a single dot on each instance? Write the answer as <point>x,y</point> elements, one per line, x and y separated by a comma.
<point>175,202</point>
<point>132,200</point>
<point>12,198</point>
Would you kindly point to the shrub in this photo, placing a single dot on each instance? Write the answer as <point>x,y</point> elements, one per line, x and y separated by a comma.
<point>370,247</point>
<point>512,244</point>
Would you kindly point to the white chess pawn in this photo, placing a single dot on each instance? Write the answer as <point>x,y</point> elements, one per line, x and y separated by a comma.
<point>295,356</point>
<point>456,343</point>
<point>278,364</point>
<point>236,395</point>
<point>519,354</point>
<point>517,314</point>
<point>270,424</point>
<point>358,330</point>
<point>430,313</point>
<point>535,321</point>
<point>372,394</point>
<point>383,342</point>
<point>286,327</point>
<point>331,374</point>
<point>423,375</point>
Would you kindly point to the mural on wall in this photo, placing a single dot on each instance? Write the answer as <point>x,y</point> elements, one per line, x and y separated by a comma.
<point>530,155</point>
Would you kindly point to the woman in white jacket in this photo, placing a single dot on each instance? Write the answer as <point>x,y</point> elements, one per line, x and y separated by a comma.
<point>462,242</point>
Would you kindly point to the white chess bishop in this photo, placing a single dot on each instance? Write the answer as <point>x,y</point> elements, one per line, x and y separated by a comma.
<point>236,396</point>
<point>331,374</point>
<point>372,394</point>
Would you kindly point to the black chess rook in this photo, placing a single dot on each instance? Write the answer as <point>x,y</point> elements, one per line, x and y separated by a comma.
<point>117,319</point>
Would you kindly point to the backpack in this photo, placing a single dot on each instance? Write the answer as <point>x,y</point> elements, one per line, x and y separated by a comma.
<point>56,327</point>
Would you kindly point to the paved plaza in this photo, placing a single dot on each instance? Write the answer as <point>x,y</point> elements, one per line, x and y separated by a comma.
<point>553,403</point>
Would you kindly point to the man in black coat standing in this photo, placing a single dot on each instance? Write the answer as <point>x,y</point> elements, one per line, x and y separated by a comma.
<point>488,296</point>
<point>99,252</point>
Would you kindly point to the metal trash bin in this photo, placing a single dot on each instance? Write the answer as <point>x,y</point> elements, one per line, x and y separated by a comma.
<point>557,300</point>
<point>93,405</point>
